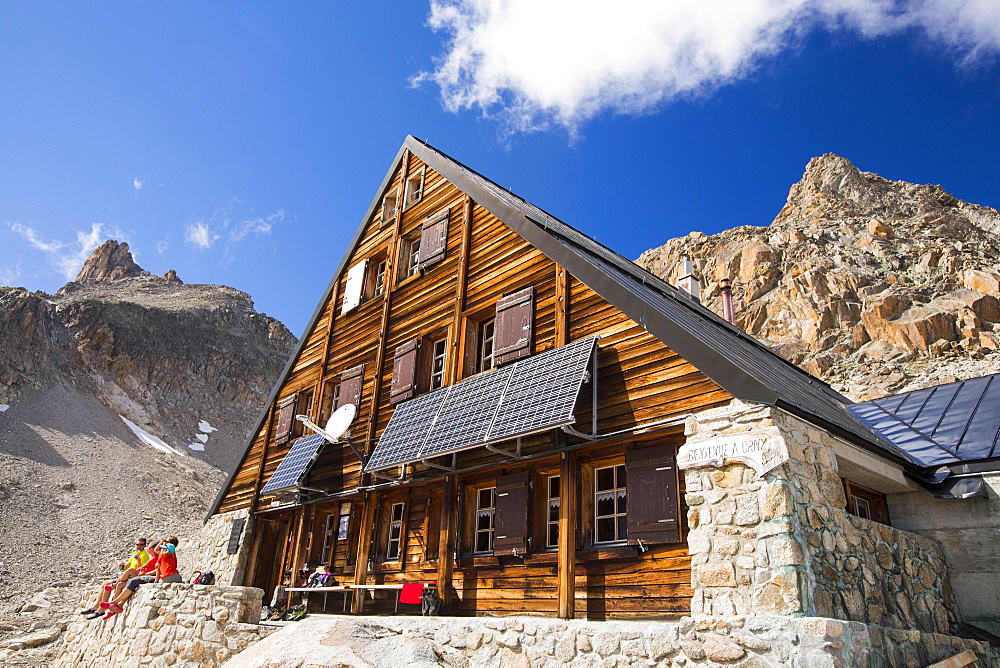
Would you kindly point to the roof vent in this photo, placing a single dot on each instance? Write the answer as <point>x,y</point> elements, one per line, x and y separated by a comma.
<point>688,282</point>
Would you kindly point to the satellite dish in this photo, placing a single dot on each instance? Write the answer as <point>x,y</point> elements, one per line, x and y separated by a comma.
<point>339,423</point>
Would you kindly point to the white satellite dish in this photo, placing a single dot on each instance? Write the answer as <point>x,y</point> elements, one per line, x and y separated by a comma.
<point>339,423</point>
<point>337,427</point>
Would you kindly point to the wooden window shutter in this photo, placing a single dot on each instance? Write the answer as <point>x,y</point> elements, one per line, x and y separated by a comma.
<point>513,329</point>
<point>433,239</point>
<point>354,286</point>
<point>511,514</point>
<point>350,387</point>
<point>286,413</point>
<point>404,371</point>
<point>652,495</point>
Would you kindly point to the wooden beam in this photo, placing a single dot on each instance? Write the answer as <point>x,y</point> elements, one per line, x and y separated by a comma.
<point>446,556</point>
<point>562,306</point>
<point>457,356</point>
<point>364,550</point>
<point>568,501</point>
<point>255,502</point>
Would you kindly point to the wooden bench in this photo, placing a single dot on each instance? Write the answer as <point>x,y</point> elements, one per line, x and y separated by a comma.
<point>326,591</point>
<point>372,588</point>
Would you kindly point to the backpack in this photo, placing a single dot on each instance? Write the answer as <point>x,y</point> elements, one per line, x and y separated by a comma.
<point>206,578</point>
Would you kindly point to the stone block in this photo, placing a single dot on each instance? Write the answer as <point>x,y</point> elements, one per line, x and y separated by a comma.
<point>727,546</point>
<point>721,649</point>
<point>717,575</point>
<point>747,510</point>
<point>777,502</point>
<point>785,551</point>
<point>605,643</point>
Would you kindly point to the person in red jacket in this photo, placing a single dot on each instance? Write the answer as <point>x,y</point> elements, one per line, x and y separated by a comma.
<point>162,568</point>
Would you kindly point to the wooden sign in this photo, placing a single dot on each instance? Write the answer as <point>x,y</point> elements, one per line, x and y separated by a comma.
<point>761,450</point>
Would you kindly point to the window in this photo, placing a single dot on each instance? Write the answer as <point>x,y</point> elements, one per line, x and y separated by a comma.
<point>414,188</point>
<point>418,365</point>
<point>610,523</point>
<point>483,541</point>
<point>866,503</point>
<point>395,532</point>
<point>390,206</point>
<point>439,355</point>
<point>349,390</point>
<point>377,287</point>
<point>409,264</point>
<point>552,512</point>
<point>329,540</point>
<point>331,393</point>
<point>484,349</point>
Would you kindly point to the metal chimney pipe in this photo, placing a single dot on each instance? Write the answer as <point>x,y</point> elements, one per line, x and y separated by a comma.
<point>727,301</point>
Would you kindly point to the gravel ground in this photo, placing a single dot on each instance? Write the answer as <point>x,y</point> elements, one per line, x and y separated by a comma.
<point>76,488</point>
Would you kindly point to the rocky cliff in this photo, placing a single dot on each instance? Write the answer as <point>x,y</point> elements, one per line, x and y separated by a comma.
<point>876,286</point>
<point>191,364</point>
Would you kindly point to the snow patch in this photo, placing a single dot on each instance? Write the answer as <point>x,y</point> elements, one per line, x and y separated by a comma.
<point>205,427</point>
<point>202,437</point>
<point>196,446</point>
<point>3,407</point>
<point>149,439</point>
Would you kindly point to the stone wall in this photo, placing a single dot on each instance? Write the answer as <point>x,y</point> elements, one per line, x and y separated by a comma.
<point>213,555</point>
<point>783,544</point>
<point>967,531</point>
<point>169,625</point>
<point>516,642</point>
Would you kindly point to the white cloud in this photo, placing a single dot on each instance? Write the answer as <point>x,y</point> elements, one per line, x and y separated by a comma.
<point>10,275</point>
<point>68,257</point>
<point>200,235</point>
<point>537,62</point>
<point>162,246</point>
<point>260,225</point>
<point>137,184</point>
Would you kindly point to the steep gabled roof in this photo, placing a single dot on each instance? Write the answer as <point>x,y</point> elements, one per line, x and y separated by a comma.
<point>728,356</point>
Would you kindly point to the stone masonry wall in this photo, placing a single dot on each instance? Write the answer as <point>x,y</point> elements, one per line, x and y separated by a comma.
<point>785,545</point>
<point>522,642</point>
<point>169,625</point>
<point>212,552</point>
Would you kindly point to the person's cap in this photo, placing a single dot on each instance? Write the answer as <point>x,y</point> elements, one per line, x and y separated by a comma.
<point>169,547</point>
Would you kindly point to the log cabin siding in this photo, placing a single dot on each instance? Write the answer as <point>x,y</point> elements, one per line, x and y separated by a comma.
<point>639,380</point>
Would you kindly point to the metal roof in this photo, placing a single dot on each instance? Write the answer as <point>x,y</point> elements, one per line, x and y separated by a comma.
<point>947,424</point>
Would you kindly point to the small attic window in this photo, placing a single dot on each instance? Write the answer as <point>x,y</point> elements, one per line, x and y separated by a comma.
<point>414,188</point>
<point>409,264</point>
<point>390,207</point>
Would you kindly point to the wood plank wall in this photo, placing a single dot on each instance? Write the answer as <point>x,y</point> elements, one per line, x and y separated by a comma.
<point>640,380</point>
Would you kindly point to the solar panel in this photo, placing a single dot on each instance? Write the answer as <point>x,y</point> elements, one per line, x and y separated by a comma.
<point>293,467</point>
<point>526,397</point>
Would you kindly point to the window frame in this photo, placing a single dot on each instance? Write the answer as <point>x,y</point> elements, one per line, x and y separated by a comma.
<point>477,509</point>
<point>438,375</point>
<point>410,189</point>
<point>619,516</point>
<point>303,406</point>
<point>397,523</point>
<point>393,213</point>
<point>548,524</point>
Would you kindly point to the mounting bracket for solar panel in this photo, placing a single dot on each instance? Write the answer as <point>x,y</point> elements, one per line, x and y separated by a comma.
<point>402,474</point>
<point>512,455</point>
<point>449,469</point>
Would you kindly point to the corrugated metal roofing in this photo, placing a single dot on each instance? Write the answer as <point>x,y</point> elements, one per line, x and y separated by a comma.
<point>957,422</point>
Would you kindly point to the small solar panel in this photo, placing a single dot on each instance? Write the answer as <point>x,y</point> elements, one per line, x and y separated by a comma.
<point>293,467</point>
<point>531,395</point>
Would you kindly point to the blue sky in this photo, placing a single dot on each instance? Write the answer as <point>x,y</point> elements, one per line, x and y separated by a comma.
<point>240,143</point>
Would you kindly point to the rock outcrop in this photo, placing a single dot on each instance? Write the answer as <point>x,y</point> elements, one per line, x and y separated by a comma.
<point>877,286</point>
<point>165,355</point>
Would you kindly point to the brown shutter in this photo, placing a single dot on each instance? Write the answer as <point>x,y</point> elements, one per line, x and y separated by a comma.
<point>652,495</point>
<point>404,371</point>
<point>433,239</point>
<point>512,332</point>
<point>350,387</point>
<point>286,412</point>
<point>511,515</point>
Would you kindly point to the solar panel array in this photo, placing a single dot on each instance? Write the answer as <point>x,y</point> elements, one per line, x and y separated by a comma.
<point>526,397</point>
<point>294,465</point>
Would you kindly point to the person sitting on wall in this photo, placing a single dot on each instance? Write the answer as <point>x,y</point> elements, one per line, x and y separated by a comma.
<point>165,573</point>
<point>130,568</point>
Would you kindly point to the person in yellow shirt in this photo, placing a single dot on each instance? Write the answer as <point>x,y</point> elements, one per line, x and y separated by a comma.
<point>130,568</point>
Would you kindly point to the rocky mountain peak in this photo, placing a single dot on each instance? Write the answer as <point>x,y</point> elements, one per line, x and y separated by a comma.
<point>877,286</point>
<point>110,261</point>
